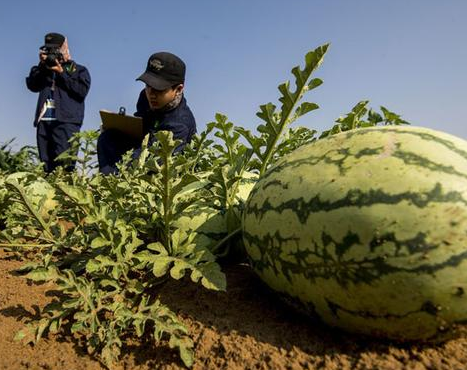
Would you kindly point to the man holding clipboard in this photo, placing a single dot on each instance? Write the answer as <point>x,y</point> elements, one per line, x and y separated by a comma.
<point>161,106</point>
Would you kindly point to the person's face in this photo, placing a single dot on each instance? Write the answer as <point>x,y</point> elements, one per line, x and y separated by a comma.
<point>160,98</point>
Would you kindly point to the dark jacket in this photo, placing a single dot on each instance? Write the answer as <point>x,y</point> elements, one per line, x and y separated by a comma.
<point>180,121</point>
<point>71,87</point>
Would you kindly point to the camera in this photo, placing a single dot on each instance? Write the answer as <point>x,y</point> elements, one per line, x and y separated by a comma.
<point>53,55</point>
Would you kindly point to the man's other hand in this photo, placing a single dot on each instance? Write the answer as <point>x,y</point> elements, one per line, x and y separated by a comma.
<point>57,67</point>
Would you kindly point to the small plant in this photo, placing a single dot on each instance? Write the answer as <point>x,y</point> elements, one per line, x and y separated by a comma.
<point>23,160</point>
<point>356,119</point>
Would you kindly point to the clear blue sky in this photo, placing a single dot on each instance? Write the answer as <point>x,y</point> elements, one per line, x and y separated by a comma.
<point>407,55</point>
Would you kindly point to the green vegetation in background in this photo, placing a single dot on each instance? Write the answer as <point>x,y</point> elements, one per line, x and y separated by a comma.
<point>23,160</point>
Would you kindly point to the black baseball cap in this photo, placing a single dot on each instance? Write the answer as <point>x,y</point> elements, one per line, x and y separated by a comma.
<point>163,70</point>
<point>53,40</point>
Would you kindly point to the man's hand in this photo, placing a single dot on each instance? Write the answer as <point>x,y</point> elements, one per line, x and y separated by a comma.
<point>42,57</point>
<point>56,68</point>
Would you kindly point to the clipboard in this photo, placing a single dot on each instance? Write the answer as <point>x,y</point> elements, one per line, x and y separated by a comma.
<point>129,125</point>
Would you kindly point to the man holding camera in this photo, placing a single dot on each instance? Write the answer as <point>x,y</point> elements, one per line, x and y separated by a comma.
<point>161,105</point>
<point>62,85</point>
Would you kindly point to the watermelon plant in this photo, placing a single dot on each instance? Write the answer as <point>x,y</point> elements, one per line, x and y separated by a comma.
<point>24,159</point>
<point>106,264</point>
<point>361,116</point>
<point>109,242</point>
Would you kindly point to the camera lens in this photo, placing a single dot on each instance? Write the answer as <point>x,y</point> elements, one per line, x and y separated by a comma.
<point>52,56</point>
<point>50,60</point>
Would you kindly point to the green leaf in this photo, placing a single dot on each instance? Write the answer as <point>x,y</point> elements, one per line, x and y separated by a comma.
<point>105,283</point>
<point>77,194</point>
<point>213,278</point>
<point>77,327</point>
<point>136,287</point>
<point>54,326</point>
<point>139,326</point>
<point>276,122</point>
<point>185,346</point>
<point>374,117</point>
<point>178,269</point>
<point>392,118</point>
<point>93,266</point>
<point>42,274</point>
<point>161,265</point>
<point>27,267</point>
<point>157,247</point>
<point>100,242</point>
<point>40,329</point>
<point>304,108</point>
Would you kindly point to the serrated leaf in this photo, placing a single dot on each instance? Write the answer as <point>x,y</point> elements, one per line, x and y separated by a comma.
<point>275,123</point>
<point>304,108</point>
<point>178,269</point>
<point>314,83</point>
<point>392,118</point>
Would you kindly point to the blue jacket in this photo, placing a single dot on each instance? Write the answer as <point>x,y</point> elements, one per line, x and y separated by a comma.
<point>71,87</point>
<point>180,121</point>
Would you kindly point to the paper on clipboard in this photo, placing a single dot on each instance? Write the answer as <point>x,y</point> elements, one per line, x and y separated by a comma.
<point>129,125</point>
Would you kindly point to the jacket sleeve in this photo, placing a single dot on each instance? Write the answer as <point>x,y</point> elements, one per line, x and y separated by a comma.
<point>76,83</point>
<point>38,79</point>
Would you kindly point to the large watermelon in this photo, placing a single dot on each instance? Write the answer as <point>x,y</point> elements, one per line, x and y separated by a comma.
<point>367,230</point>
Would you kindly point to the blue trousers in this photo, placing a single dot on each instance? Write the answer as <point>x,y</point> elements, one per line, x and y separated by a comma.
<point>52,140</point>
<point>111,145</point>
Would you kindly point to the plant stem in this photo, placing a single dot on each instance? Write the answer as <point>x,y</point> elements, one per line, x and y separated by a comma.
<point>6,245</point>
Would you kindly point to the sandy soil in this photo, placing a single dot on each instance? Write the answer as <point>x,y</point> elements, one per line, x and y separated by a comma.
<point>245,328</point>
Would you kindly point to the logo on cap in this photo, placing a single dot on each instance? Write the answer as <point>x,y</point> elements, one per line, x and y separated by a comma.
<point>156,64</point>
